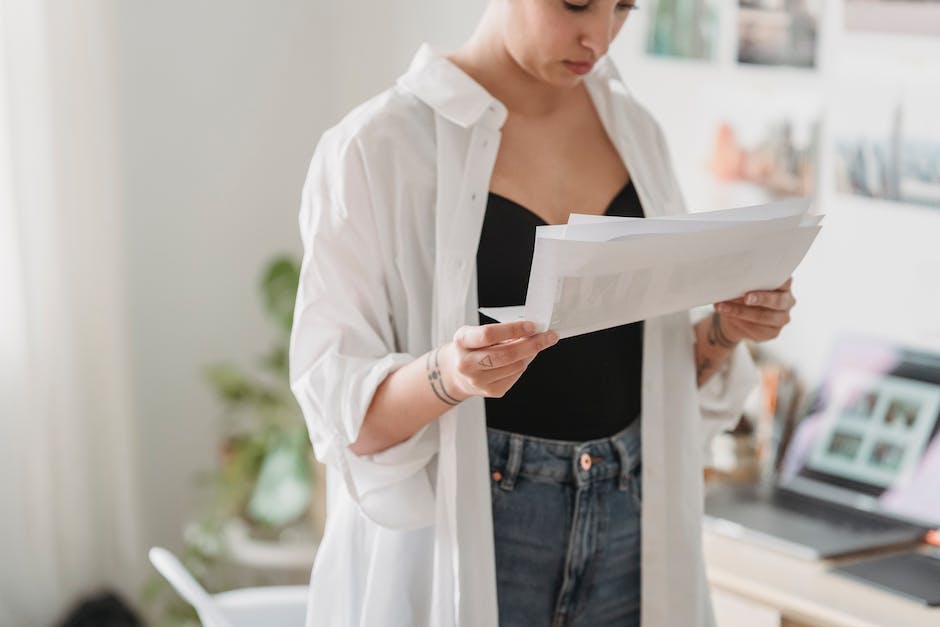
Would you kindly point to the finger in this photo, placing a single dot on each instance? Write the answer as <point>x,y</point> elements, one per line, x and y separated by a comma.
<point>498,387</point>
<point>782,301</point>
<point>490,380</point>
<point>471,337</point>
<point>503,354</point>
<point>757,332</point>
<point>739,299</point>
<point>743,297</point>
<point>759,315</point>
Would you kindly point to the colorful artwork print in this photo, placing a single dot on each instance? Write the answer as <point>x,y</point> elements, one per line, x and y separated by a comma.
<point>683,28</point>
<point>862,406</point>
<point>779,160</point>
<point>884,447</point>
<point>903,17</point>
<point>902,411</point>
<point>845,445</point>
<point>886,455</point>
<point>778,32</point>
<point>890,153</point>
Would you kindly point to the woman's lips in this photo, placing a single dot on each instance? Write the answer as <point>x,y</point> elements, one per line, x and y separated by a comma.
<point>579,68</point>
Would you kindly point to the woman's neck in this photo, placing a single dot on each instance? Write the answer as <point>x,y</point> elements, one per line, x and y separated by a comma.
<point>484,58</point>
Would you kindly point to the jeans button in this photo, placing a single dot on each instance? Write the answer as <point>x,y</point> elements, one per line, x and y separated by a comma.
<point>497,475</point>
<point>585,461</point>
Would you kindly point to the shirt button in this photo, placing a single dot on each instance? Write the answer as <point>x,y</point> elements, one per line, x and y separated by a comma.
<point>585,461</point>
<point>473,196</point>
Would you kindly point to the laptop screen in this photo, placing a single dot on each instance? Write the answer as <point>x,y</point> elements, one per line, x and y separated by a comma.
<point>871,440</point>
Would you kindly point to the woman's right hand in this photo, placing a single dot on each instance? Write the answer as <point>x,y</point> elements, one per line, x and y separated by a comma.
<point>487,360</point>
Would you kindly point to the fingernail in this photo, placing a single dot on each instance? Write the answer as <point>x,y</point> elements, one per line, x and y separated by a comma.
<point>722,307</point>
<point>529,327</point>
<point>751,299</point>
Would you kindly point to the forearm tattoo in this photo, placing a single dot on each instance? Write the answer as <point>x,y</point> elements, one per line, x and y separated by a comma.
<point>437,380</point>
<point>717,337</point>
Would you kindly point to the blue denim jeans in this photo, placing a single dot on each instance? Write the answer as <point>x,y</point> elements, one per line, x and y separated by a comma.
<point>566,527</point>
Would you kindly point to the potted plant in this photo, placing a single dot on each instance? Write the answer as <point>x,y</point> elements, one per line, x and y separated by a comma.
<point>259,508</point>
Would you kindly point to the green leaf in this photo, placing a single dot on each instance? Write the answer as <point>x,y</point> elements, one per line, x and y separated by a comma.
<point>229,382</point>
<point>282,492</point>
<point>276,361</point>
<point>265,460</point>
<point>279,290</point>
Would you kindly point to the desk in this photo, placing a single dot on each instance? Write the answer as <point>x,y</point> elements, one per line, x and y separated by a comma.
<point>757,587</point>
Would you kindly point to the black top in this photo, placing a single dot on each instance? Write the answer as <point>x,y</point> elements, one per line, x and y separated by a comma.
<point>582,388</point>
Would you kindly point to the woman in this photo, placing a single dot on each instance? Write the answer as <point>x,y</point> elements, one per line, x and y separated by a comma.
<point>447,509</point>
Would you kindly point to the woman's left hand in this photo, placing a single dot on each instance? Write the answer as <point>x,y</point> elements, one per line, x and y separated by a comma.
<point>758,315</point>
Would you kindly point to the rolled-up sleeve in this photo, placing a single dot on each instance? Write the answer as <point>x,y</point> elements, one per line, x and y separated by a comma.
<point>722,397</point>
<point>342,343</point>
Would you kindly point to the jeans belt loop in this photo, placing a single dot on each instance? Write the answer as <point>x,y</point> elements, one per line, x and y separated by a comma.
<point>624,483</point>
<point>513,463</point>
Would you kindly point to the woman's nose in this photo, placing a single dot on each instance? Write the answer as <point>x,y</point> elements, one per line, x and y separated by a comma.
<point>598,34</point>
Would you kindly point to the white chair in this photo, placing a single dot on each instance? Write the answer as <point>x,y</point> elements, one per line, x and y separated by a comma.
<point>283,606</point>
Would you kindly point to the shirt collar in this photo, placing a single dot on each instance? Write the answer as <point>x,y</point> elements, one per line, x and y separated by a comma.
<point>451,92</point>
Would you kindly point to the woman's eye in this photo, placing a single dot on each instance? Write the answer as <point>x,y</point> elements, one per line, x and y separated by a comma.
<point>621,6</point>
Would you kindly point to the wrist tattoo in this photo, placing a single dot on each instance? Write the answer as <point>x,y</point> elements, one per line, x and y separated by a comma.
<point>436,379</point>
<point>716,336</point>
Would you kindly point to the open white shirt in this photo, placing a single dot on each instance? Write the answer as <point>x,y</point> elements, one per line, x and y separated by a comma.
<point>390,221</point>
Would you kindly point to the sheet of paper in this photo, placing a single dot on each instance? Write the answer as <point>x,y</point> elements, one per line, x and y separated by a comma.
<point>789,207</point>
<point>581,282</point>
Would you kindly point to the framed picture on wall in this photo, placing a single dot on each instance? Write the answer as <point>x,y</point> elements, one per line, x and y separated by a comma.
<point>905,17</point>
<point>750,145</point>
<point>778,32</point>
<point>889,148</point>
<point>763,147</point>
<point>683,28</point>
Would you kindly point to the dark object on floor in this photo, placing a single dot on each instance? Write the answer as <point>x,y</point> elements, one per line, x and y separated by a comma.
<point>105,610</point>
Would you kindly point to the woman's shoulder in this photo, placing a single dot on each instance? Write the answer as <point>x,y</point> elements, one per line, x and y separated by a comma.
<point>393,120</point>
<point>385,145</point>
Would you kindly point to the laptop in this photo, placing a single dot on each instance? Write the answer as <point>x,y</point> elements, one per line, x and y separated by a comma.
<point>914,574</point>
<point>862,469</point>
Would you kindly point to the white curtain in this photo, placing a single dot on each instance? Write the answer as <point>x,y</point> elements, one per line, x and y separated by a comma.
<point>69,519</point>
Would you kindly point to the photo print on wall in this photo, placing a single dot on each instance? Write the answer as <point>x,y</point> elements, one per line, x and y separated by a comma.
<point>683,28</point>
<point>779,159</point>
<point>889,151</point>
<point>903,17</point>
<point>750,147</point>
<point>778,32</point>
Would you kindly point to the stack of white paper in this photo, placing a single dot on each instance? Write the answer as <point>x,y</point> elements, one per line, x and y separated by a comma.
<point>601,271</point>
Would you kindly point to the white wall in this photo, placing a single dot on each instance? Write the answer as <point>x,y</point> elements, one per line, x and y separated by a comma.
<point>221,104</point>
<point>875,267</point>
